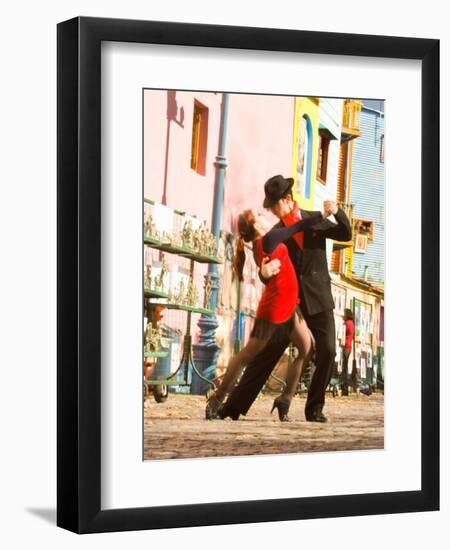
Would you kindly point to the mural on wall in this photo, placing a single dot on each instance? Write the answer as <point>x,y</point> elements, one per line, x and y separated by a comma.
<point>339,297</point>
<point>367,321</point>
<point>364,363</point>
<point>363,320</point>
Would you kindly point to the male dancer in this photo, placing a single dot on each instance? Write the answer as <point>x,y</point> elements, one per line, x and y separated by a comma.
<point>308,255</point>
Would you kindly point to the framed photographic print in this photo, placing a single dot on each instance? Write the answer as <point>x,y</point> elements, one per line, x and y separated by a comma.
<point>245,333</point>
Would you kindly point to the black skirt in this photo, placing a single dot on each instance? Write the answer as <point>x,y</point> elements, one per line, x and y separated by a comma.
<point>275,332</point>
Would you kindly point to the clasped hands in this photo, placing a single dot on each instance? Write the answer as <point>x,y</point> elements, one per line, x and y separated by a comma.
<point>270,268</point>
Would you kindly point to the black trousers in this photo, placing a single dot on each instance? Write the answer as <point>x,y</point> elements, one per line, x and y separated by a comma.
<point>344,374</point>
<point>258,371</point>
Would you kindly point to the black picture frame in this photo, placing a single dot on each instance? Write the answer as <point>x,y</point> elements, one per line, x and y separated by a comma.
<point>79,281</point>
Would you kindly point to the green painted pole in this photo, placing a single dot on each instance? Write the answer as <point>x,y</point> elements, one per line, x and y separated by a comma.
<point>207,349</point>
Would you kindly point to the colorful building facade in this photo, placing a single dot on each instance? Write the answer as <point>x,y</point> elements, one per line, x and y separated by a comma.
<point>316,150</point>
<point>308,138</point>
<point>258,145</point>
<point>358,266</point>
<point>367,197</point>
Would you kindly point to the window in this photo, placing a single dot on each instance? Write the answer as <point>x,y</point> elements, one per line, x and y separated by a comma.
<point>360,243</point>
<point>199,138</point>
<point>365,228</point>
<point>382,148</point>
<point>322,159</point>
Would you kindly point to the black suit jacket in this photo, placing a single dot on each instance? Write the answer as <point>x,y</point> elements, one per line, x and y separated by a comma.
<point>311,263</point>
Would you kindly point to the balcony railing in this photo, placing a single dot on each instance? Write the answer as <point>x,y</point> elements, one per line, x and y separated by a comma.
<point>350,118</point>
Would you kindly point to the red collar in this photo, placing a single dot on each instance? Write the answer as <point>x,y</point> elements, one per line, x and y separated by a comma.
<point>293,216</point>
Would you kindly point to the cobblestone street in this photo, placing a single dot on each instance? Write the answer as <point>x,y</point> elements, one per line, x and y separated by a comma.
<point>177,429</point>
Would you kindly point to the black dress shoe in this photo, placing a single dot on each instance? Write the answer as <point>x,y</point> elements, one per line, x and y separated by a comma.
<point>226,411</point>
<point>316,416</point>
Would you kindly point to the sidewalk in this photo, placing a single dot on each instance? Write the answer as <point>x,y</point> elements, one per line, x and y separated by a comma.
<point>177,429</point>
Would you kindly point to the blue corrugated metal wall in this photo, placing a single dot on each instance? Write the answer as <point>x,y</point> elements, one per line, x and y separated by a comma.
<point>367,192</point>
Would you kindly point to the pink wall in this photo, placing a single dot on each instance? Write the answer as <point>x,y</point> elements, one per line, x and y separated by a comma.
<point>259,145</point>
<point>186,190</point>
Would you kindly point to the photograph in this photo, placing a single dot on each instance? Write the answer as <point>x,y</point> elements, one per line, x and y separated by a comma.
<point>235,223</point>
<point>263,250</point>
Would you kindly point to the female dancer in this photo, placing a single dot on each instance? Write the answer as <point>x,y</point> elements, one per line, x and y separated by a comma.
<point>277,309</point>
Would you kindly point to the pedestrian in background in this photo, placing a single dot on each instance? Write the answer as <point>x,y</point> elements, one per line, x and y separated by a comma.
<point>348,343</point>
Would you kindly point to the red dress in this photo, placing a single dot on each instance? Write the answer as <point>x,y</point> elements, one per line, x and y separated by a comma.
<point>276,311</point>
<point>280,296</point>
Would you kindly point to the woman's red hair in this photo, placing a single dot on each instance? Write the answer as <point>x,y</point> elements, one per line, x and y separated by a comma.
<point>246,230</point>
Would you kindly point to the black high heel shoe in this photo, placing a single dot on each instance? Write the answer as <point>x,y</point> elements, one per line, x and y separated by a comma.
<point>282,406</point>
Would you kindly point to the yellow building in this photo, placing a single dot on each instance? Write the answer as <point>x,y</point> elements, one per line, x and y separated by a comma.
<point>304,158</point>
<point>342,258</point>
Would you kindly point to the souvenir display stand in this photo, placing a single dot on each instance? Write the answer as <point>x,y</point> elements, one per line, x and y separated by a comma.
<point>154,297</point>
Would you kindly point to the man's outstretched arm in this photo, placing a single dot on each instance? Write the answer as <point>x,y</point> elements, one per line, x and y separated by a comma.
<point>342,231</point>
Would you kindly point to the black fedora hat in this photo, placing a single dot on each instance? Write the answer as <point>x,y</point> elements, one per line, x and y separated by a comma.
<point>276,188</point>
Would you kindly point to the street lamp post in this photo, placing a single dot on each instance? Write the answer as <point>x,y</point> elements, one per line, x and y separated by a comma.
<point>207,349</point>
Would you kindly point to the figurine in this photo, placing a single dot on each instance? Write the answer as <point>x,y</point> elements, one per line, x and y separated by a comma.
<point>174,240</point>
<point>148,277</point>
<point>208,292</point>
<point>192,293</point>
<point>196,241</point>
<point>204,241</point>
<point>150,227</point>
<point>159,281</point>
<point>180,295</point>
<point>165,238</point>
<point>212,245</point>
<point>163,270</point>
<point>187,235</point>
